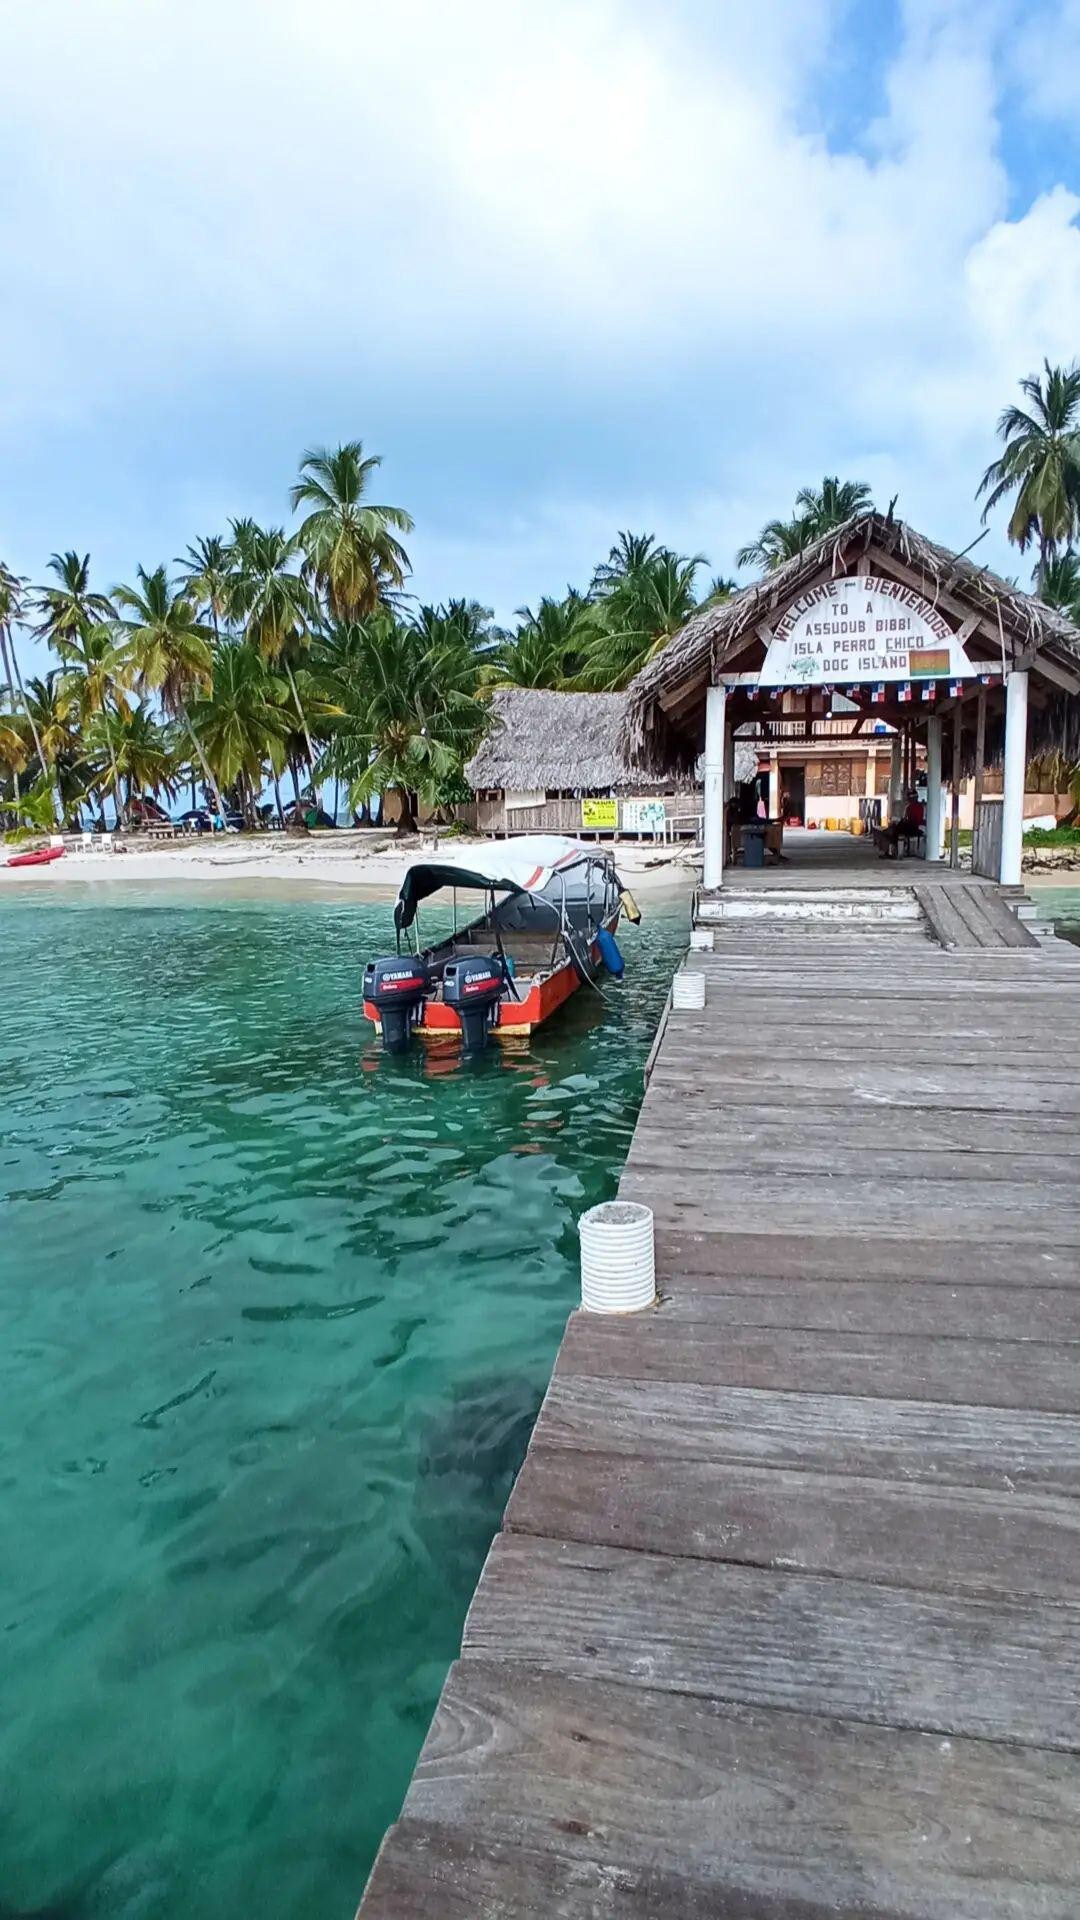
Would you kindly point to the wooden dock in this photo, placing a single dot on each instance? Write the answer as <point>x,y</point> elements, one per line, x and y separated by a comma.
<point>784,1618</point>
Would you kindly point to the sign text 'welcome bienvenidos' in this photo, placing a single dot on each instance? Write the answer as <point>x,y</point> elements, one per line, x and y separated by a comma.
<point>861,629</point>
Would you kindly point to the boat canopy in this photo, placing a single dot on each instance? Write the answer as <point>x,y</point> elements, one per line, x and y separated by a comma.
<point>524,865</point>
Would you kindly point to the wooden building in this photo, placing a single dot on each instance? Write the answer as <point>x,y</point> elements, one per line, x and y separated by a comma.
<point>551,763</point>
<point>969,672</point>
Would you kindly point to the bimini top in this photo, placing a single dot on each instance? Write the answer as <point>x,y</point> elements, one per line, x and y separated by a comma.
<point>525,865</point>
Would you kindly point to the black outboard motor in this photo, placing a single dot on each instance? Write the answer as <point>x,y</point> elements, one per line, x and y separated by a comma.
<point>396,988</point>
<point>474,988</point>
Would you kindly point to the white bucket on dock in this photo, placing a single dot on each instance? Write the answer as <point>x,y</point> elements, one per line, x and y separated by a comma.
<point>701,940</point>
<point>688,988</point>
<point>618,1267</point>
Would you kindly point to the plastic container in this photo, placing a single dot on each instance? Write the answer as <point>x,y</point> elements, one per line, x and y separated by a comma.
<point>753,845</point>
<point>618,1263</point>
<point>688,989</point>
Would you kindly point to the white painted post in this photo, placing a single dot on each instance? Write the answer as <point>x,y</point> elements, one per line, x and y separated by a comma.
<point>932,837</point>
<point>1012,807</point>
<point>896,777</point>
<point>713,824</point>
<point>774,786</point>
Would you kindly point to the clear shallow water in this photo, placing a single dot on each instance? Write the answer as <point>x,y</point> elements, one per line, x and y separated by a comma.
<point>1062,906</point>
<point>275,1317</point>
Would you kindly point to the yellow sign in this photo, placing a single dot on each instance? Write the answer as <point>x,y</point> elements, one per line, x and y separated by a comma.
<point>600,816</point>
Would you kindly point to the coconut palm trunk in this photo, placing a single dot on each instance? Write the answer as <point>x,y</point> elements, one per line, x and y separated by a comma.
<point>204,763</point>
<point>13,658</point>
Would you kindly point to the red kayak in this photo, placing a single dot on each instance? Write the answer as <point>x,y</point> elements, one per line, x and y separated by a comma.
<point>40,858</point>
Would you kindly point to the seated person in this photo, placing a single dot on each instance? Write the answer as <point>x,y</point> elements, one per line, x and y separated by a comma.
<point>910,825</point>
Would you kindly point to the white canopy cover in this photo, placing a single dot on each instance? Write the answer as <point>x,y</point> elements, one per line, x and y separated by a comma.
<point>525,865</point>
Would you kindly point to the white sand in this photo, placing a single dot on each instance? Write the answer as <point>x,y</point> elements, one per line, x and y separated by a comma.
<point>371,861</point>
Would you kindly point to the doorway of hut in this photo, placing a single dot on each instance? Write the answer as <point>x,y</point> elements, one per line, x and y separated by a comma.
<point>793,795</point>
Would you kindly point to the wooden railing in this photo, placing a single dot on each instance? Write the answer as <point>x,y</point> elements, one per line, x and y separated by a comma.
<point>986,839</point>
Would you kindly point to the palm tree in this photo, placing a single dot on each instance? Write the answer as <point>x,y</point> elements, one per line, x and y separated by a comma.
<point>1061,584</point>
<point>275,606</point>
<point>243,722</point>
<point>637,614</point>
<point>549,647</point>
<point>407,714</point>
<point>12,608</point>
<point>779,540</point>
<point>630,552</point>
<point>171,651</point>
<point>70,607</point>
<point>349,542</point>
<point>817,510</point>
<point>129,747</point>
<point>52,712</point>
<point>1040,464</point>
<point>206,573</point>
<point>832,503</point>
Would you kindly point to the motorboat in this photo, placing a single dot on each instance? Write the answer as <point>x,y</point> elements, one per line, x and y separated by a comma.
<point>549,907</point>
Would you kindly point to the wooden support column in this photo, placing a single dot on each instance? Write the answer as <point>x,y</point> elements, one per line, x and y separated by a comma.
<point>954,823</point>
<point>1012,808</point>
<point>980,748</point>
<point>713,827</point>
<point>932,838</point>
<point>896,777</point>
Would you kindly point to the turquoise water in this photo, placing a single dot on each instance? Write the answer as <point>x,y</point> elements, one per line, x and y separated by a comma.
<point>1062,906</point>
<point>275,1316</point>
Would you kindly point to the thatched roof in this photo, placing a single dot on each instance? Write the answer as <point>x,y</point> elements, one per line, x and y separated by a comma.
<point>565,742</point>
<point>663,727</point>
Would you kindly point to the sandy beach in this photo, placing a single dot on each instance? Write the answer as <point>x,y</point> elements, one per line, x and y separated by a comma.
<point>371,863</point>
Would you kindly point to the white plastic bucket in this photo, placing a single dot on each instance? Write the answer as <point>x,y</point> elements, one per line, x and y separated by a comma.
<point>618,1268</point>
<point>701,940</point>
<point>688,988</point>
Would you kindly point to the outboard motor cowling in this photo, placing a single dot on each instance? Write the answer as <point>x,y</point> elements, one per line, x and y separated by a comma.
<point>397,988</point>
<point>474,988</point>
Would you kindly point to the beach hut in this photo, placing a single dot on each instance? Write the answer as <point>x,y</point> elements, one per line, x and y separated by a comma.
<point>871,625</point>
<point>551,763</point>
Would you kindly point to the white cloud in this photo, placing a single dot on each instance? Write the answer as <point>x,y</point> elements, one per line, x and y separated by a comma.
<point>581,199</point>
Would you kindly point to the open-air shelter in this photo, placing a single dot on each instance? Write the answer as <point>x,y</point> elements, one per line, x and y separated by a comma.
<point>878,623</point>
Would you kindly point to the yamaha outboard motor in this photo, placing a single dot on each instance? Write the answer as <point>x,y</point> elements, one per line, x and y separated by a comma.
<point>474,988</point>
<point>396,988</point>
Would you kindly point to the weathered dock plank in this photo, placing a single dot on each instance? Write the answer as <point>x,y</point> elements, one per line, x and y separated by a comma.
<point>649,1804</point>
<point>824,1522</point>
<point>784,1620</point>
<point>994,1669</point>
<point>907,1440</point>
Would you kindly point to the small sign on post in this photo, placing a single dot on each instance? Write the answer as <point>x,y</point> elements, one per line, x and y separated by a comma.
<point>600,816</point>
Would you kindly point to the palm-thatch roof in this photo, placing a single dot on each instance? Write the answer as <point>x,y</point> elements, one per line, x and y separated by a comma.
<point>557,742</point>
<point>664,725</point>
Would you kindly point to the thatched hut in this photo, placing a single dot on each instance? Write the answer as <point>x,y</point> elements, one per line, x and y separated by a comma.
<point>551,762</point>
<point>965,648</point>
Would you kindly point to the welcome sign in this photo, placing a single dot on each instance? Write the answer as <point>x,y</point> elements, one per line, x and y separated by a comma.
<point>862,629</point>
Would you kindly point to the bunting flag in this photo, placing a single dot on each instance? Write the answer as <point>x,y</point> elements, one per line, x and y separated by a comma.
<point>877,696</point>
<point>752,693</point>
<point>929,691</point>
<point>987,679</point>
<point>956,688</point>
<point>904,692</point>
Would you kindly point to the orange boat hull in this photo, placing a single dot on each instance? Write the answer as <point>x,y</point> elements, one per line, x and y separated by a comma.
<point>515,1018</point>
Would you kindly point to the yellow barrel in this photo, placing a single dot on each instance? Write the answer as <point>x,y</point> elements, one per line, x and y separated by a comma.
<point>857,826</point>
<point>830,824</point>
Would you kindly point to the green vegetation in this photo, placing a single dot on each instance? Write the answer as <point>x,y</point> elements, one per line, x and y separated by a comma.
<point>265,652</point>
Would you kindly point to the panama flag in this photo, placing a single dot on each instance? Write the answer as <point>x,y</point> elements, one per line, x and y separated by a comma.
<point>877,697</point>
<point>987,679</point>
<point>956,688</point>
<point>929,691</point>
<point>904,692</point>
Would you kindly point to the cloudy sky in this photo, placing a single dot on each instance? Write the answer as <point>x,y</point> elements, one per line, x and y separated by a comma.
<point>568,266</point>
